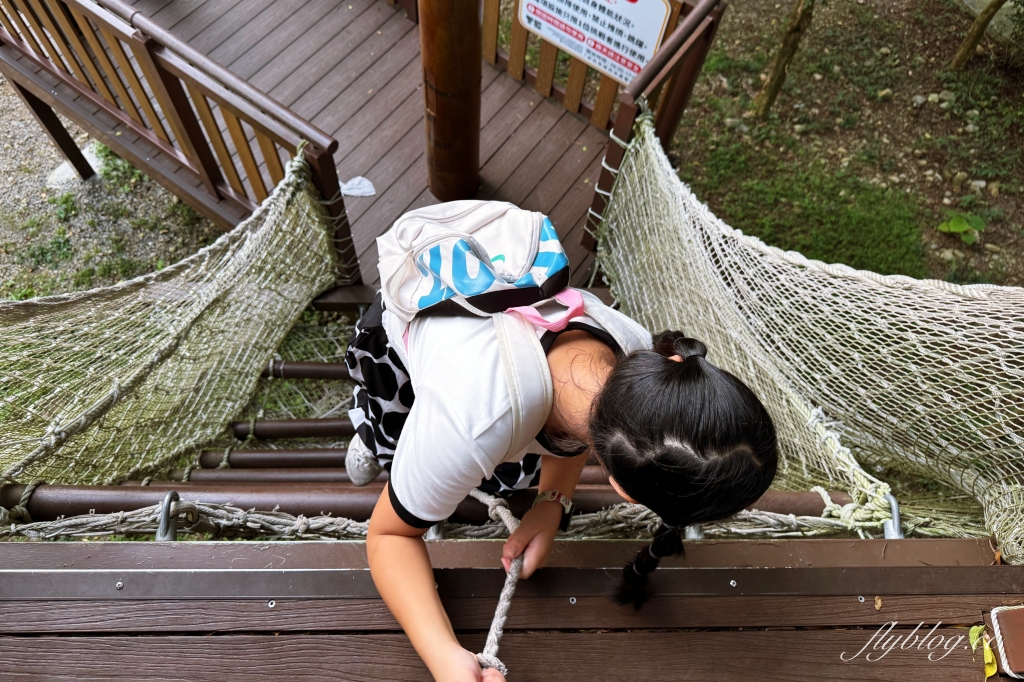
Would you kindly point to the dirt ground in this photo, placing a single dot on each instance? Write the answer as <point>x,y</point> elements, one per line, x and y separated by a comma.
<point>871,146</point>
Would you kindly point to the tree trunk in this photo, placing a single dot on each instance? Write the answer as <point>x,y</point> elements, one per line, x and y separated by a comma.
<point>974,36</point>
<point>799,20</point>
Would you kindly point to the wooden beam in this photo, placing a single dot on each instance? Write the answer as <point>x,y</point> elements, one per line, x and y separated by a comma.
<point>724,656</point>
<point>47,118</point>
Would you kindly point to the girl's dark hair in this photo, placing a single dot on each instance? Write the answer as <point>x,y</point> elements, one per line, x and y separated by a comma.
<point>687,439</point>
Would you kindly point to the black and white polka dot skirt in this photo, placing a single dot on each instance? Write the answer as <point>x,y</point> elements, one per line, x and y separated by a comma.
<point>383,397</point>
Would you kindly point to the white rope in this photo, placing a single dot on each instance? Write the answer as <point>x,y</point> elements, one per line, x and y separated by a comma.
<point>498,510</point>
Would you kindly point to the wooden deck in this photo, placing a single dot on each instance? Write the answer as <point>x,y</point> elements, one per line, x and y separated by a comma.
<point>352,67</point>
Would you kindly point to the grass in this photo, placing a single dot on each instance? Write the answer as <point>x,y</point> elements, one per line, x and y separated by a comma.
<point>66,207</point>
<point>118,171</point>
<point>57,250</point>
<point>833,217</point>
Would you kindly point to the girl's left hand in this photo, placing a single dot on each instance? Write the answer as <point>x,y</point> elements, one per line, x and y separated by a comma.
<point>534,538</point>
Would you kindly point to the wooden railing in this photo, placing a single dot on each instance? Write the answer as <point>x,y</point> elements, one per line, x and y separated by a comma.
<point>571,95</point>
<point>144,92</point>
<point>665,85</point>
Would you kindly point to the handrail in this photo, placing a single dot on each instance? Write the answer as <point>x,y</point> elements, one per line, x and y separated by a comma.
<point>314,135</point>
<point>687,28</point>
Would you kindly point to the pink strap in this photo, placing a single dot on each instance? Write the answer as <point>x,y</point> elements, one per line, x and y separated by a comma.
<point>570,298</point>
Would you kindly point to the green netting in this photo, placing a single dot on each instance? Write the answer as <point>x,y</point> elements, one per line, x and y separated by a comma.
<point>103,385</point>
<point>913,377</point>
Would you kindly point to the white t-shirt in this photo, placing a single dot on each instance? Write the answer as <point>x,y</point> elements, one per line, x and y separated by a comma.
<point>460,425</point>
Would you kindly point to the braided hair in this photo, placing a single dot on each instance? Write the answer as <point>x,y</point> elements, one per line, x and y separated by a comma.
<point>687,439</point>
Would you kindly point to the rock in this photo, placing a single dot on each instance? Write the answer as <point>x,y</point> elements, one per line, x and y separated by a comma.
<point>974,113</point>
<point>947,96</point>
<point>947,201</point>
<point>933,98</point>
<point>922,162</point>
<point>971,128</point>
<point>818,77</point>
<point>992,248</point>
<point>885,95</point>
<point>799,129</point>
<point>947,255</point>
<point>893,179</point>
<point>958,180</point>
<point>885,51</point>
<point>918,101</point>
<point>945,105</point>
<point>993,189</point>
<point>836,69</point>
<point>977,186</point>
<point>733,123</point>
<point>918,153</point>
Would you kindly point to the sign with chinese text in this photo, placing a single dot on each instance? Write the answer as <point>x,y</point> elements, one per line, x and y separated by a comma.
<point>616,37</point>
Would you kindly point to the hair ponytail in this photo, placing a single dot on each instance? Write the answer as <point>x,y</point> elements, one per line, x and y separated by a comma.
<point>633,589</point>
<point>685,438</point>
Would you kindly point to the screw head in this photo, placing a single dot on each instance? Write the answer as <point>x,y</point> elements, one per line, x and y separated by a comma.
<point>732,583</point>
<point>118,585</point>
<point>860,599</point>
<point>271,604</point>
<point>572,600</point>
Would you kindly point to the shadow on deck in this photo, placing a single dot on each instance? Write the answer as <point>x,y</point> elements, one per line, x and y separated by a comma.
<point>352,68</point>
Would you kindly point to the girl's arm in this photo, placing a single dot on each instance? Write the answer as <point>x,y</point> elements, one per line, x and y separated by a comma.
<point>403,575</point>
<point>536,534</point>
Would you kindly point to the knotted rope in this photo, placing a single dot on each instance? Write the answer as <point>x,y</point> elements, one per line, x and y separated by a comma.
<point>498,510</point>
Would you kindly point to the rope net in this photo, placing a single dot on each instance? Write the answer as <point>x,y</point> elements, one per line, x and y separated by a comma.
<point>916,378</point>
<point>109,384</point>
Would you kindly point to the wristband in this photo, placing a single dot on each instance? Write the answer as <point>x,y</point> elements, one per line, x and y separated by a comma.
<point>567,506</point>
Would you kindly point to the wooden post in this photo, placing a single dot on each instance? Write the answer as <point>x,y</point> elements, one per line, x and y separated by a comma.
<point>55,129</point>
<point>678,92</point>
<point>325,177</point>
<point>450,49</point>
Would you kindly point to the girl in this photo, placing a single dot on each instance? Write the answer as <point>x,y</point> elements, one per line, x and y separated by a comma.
<point>509,397</point>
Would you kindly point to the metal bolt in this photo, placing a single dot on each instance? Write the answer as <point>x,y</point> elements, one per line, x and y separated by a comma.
<point>572,600</point>
<point>271,604</point>
<point>732,583</point>
<point>118,585</point>
<point>860,599</point>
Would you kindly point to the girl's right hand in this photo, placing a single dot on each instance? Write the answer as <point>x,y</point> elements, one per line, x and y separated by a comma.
<point>462,665</point>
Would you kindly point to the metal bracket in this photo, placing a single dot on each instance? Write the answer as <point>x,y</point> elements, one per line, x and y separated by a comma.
<point>168,528</point>
<point>891,528</point>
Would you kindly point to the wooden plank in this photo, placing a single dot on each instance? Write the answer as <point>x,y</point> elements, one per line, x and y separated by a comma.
<point>134,84</point>
<point>26,35</point>
<point>227,164</point>
<point>195,16</point>
<point>271,158</point>
<point>546,68</point>
<point>324,45</point>
<point>565,172</point>
<point>574,86</point>
<point>606,93</point>
<point>517,45</point>
<point>489,35</point>
<point>255,30</point>
<point>357,128</point>
<point>278,43</point>
<point>725,656</point>
<point>40,35</point>
<point>385,174</point>
<point>312,98</point>
<point>570,213</point>
<point>338,106</point>
<point>105,67</point>
<point>7,25</point>
<point>558,142</point>
<point>504,162</point>
<point>392,129</point>
<point>65,57</point>
<point>221,30</point>
<point>98,83</point>
<point>252,170</point>
<point>347,615</point>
